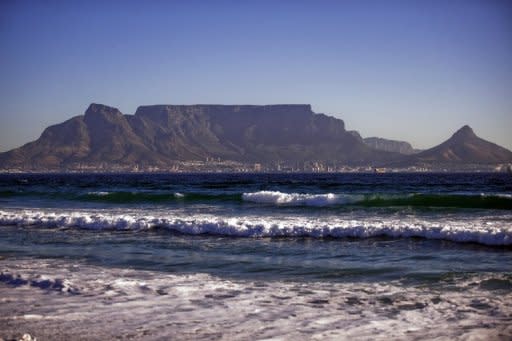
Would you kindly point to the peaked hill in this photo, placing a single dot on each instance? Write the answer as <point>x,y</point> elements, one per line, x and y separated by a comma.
<point>161,134</point>
<point>465,147</point>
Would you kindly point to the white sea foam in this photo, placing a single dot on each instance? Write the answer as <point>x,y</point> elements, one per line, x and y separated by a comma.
<point>110,302</point>
<point>498,195</point>
<point>299,199</point>
<point>99,194</point>
<point>331,199</point>
<point>490,231</point>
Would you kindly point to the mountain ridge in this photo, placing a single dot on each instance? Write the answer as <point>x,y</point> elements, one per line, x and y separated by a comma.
<point>388,145</point>
<point>162,134</point>
<point>288,134</point>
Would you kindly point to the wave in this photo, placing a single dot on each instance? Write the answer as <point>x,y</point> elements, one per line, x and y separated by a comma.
<point>489,232</point>
<point>488,201</point>
<point>494,201</point>
<point>132,197</point>
<point>299,199</point>
<point>282,199</point>
<point>121,197</point>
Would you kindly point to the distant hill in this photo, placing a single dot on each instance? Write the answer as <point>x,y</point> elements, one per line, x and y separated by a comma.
<point>464,147</point>
<point>160,134</point>
<point>379,143</point>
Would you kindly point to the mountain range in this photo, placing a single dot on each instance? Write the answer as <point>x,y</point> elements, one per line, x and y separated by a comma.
<point>160,135</point>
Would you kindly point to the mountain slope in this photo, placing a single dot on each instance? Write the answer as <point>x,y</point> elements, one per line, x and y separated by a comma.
<point>249,133</point>
<point>465,147</point>
<point>161,134</point>
<point>379,143</point>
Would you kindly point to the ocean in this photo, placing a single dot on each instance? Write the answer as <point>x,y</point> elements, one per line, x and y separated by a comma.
<point>256,256</point>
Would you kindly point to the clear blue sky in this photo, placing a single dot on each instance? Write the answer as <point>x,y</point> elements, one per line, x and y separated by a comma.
<point>409,70</point>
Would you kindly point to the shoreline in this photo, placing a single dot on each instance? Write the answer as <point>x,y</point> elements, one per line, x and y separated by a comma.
<point>57,299</point>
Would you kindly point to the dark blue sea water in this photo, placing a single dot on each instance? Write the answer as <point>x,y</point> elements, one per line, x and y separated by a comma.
<point>444,238</point>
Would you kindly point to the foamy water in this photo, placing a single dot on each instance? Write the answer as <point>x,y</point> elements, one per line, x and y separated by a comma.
<point>75,299</point>
<point>484,230</point>
<point>256,256</point>
<point>280,198</point>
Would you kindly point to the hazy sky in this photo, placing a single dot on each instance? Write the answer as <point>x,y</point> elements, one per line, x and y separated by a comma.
<point>410,70</point>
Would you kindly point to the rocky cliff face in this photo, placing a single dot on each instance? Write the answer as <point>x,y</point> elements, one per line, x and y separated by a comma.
<point>161,134</point>
<point>401,147</point>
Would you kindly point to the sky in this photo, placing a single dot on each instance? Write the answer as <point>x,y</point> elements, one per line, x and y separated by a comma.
<point>405,70</point>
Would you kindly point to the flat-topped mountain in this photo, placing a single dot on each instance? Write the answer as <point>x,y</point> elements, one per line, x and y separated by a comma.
<point>465,147</point>
<point>161,134</point>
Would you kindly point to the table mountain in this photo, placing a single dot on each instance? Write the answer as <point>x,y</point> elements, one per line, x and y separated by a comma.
<point>161,134</point>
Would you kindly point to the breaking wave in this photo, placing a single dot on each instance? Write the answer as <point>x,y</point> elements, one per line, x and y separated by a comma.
<point>298,199</point>
<point>496,201</point>
<point>489,232</point>
<point>277,198</point>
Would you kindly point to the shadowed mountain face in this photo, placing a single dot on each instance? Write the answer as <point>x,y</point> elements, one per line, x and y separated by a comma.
<point>401,147</point>
<point>465,147</point>
<point>161,134</point>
